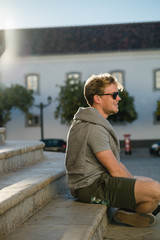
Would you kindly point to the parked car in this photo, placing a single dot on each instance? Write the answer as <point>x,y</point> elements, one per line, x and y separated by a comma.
<point>54,144</point>
<point>155,148</point>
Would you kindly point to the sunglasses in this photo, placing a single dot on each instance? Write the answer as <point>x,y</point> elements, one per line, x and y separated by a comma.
<point>114,95</point>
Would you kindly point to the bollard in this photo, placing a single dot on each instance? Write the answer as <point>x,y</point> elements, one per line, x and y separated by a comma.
<point>127,144</point>
<point>2,135</point>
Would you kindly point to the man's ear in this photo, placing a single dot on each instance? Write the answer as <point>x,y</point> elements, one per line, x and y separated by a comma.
<point>96,99</point>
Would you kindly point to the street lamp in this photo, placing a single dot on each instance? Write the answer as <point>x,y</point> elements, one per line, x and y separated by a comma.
<point>41,106</point>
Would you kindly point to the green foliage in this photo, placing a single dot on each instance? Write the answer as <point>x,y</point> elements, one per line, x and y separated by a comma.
<point>15,96</point>
<point>70,99</point>
<point>127,111</point>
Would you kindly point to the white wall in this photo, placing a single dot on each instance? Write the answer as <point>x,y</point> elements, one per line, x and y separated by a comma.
<point>137,66</point>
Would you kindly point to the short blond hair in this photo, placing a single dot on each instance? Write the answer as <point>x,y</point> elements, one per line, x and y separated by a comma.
<point>96,84</point>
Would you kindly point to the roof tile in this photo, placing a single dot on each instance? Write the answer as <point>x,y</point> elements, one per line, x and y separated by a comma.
<point>88,39</point>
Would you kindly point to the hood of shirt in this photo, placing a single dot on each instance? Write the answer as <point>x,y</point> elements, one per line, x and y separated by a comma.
<point>91,115</point>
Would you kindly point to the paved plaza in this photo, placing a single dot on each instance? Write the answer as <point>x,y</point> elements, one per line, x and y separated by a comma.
<point>140,163</point>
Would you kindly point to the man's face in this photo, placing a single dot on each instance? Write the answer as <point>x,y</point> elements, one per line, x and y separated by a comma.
<point>109,105</point>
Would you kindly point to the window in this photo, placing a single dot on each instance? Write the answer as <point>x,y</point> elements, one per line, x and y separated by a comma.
<point>33,120</point>
<point>32,83</point>
<point>119,75</point>
<point>157,79</point>
<point>74,77</point>
<point>156,118</point>
<point>2,42</point>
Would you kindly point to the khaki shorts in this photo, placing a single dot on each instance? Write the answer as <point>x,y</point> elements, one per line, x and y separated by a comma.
<point>115,192</point>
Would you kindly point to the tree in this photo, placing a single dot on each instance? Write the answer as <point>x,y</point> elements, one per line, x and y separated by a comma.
<point>127,111</point>
<point>15,96</point>
<point>70,99</point>
<point>157,113</point>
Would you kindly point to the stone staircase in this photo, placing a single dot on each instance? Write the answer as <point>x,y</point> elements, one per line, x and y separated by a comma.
<point>35,202</point>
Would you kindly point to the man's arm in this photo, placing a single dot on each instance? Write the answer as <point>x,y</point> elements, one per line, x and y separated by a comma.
<point>125,169</point>
<point>109,161</point>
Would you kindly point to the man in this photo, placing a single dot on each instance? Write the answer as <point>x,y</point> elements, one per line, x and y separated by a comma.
<point>95,172</point>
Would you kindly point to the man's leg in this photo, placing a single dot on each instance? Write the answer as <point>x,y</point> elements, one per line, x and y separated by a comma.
<point>147,195</point>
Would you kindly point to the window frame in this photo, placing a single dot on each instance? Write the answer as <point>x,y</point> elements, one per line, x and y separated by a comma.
<point>123,75</point>
<point>33,124</point>
<point>156,121</point>
<point>2,42</point>
<point>79,78</point>
<point>36,92</point>
<point>154,79</point>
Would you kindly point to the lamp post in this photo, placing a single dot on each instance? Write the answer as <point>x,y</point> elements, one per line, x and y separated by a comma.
<point>41,106</point>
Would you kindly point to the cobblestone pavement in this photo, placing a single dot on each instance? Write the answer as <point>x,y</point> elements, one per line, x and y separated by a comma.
<point>140,163</point>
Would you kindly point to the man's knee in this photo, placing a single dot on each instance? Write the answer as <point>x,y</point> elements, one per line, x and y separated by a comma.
<point>146,191</point>
<point>156,190</point>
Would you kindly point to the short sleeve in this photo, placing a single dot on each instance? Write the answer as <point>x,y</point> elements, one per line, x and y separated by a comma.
<point>98,139</point>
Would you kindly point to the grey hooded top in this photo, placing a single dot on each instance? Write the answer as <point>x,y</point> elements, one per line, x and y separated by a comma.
<point>90,133</point>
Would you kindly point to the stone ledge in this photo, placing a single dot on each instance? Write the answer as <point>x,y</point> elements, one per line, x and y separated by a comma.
<point>17,154</point>
<point>65,219</point>
<point>25,191</point>
<point>13,148</point>
<point>18,192</point>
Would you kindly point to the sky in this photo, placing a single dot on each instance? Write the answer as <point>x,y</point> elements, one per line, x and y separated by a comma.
<point>15,14</point>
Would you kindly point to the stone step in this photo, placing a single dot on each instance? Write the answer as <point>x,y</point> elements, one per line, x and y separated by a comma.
<point>17,154</point>
<point>24,191</point>
<point>64,218</point>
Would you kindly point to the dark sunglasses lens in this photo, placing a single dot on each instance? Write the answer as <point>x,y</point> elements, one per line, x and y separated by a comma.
<point>115,94</point>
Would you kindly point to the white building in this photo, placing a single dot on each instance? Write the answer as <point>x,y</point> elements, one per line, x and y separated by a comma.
<point>44,57</point>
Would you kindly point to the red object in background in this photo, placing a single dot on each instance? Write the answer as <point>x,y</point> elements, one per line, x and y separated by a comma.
<point>127,144</point>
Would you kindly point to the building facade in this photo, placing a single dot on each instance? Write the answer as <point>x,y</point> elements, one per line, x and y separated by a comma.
<point>42,59</point>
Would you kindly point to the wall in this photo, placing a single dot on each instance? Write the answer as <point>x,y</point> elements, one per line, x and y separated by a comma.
<point>137,66</point>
